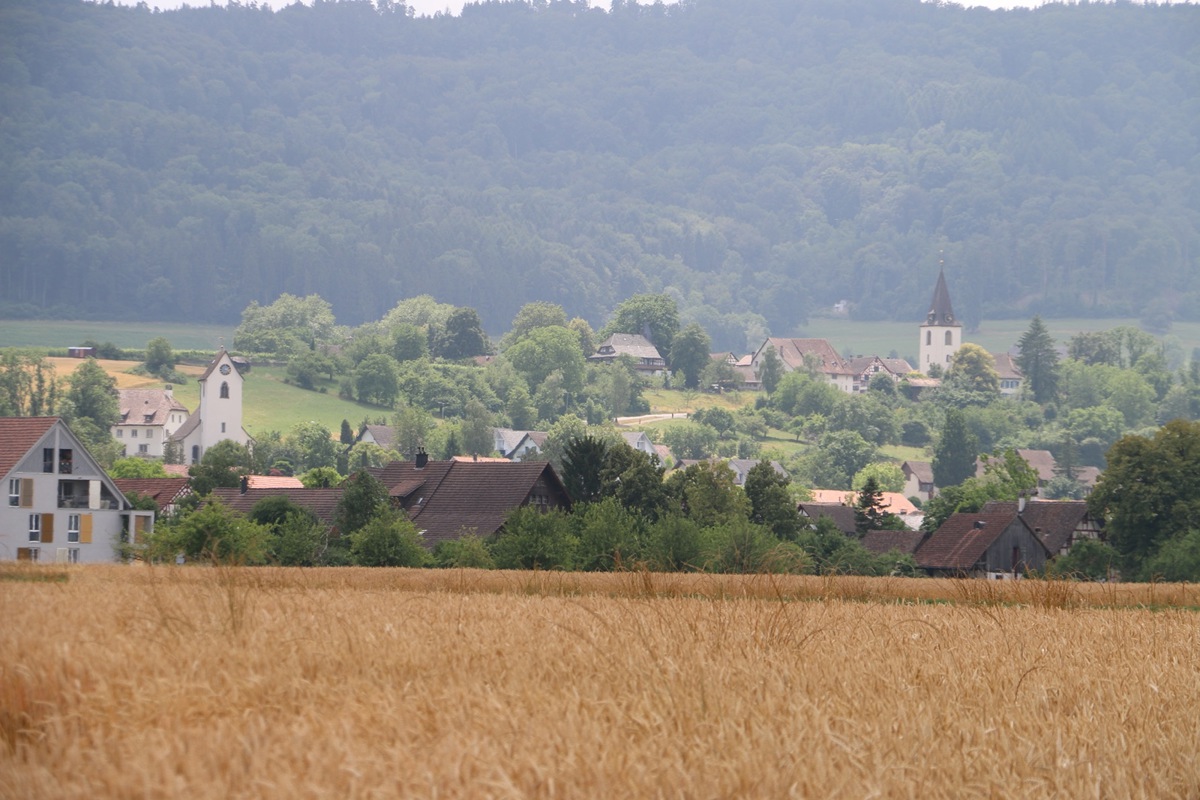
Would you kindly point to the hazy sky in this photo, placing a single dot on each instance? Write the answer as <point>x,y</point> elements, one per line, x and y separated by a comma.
<point>424,7</point>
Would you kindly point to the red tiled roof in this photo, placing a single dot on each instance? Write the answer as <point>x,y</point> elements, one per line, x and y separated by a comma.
<point>792,351</point>
<point>321,502</point>
<point>274,482</point>
<point>17,436</point>
<point>165,491</point>
<point>962,540</point>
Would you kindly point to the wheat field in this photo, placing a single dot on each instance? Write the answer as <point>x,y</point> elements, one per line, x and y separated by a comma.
<point>343,683</point>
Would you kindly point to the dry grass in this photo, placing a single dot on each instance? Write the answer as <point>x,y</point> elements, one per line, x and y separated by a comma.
<point>195,682</point>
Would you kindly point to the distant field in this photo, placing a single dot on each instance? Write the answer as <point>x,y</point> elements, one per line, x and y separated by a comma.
<point>43,334</point>
<point>198,682</point>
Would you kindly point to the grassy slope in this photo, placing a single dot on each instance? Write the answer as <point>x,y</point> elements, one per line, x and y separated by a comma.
<point>270,404</point>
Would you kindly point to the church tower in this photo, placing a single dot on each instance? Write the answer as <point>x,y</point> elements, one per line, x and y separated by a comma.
<point>219,416</point>
<point>941,332</point>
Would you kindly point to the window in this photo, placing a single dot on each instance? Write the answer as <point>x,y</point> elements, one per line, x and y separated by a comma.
<point>224,390</point>
<point>949,337</point>
<point>150,433</point>
<point>928,337</point>
<point>120,433</point>
<point>73,555</point>
<point>64,462</point>
<point>133,434</point>
<point>143,449</point>
<point>73,528</point>
<point>35,527</point>
<point>47,459</point>
<point>27,554</point>
<point>14,491</point>
<point>222,427</point>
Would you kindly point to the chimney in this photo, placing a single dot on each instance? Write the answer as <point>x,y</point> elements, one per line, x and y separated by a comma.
<point>422,458</point>
<point>169,390</point>
<point>245,484</point>
<point>1021,504</point>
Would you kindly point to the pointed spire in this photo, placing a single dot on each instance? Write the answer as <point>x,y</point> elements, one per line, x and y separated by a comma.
<point>940,311</point>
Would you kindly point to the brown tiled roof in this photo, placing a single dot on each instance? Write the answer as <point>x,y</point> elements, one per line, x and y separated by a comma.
<point>923,470</point>
<point>321,502</point>
<point>165,491</point>
<point>138,404</point>
<point>1053,521</point>
<point>445,497</point>
<point>881,542</point>
<point>384,435</point>
<point>1042,462</point>
<point>17,436</point>
<point>1006,367</point>
<point>792,351</point>
<point>842,516</point>
<point>962,540</point>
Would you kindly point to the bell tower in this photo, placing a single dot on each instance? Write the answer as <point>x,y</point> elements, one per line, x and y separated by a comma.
<point>941,332</point>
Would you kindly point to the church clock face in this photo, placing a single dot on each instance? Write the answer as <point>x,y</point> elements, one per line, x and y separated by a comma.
<point>224,369</point>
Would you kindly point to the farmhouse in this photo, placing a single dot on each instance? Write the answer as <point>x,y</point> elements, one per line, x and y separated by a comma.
<point>996,545</point>
<point>817,356</point>
<point>149,417</point>
<point>60,506</point>
<point>646,358</point>
<point>1058,523</point>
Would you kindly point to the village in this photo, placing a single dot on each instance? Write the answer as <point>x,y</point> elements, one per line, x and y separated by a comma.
<point>64,507</point>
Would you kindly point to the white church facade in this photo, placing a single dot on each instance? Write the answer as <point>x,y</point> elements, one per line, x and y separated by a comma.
<point>219,415</point>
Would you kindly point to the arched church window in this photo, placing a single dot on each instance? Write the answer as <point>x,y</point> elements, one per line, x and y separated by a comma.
<point>928,337</point>
<point>949,340</point>
<point>225,386</point>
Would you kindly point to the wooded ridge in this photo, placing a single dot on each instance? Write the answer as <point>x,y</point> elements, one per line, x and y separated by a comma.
<point>760,159</point>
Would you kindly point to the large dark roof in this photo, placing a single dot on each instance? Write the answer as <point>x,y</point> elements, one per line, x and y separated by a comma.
<point>961,541</point>
<point>444,498</point>
<point>321,502</point>
<point>881,542</point>
<point>842,516</point>
<point>1052,521</point>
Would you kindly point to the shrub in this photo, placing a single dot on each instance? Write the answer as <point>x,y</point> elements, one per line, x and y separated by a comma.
<point>388,540</point>
<point>467,551</point>
<point>532,539</point>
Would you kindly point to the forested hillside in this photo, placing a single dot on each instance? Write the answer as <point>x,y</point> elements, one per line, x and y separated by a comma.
<point>759,159</point>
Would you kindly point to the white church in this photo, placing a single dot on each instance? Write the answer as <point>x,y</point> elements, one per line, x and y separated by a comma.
<point>152,417</point>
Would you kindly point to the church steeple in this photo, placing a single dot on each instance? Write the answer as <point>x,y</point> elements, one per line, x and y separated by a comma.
<point>941,313</point>
<point>941,332</point>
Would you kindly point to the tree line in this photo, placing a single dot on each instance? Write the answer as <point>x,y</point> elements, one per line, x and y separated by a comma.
<point>762,159</point>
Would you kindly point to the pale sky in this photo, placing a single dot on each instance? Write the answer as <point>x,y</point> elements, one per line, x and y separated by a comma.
<point>429,7</point>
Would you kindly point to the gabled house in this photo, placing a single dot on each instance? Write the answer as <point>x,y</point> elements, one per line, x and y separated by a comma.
<point>646,358</point>
<point>891,502</point>
<point>918,480</point>
<point>1009,374</point>
<point>639,441</point>
<point>982,546</point>
<point>149,417</point>
<point>518,445</point>
<point>446,499</point>
<point>841,515</point>
<point>60,505</point>
<point>817,355</point>
<point>1058,523</point>
<point>382,435</point>
<point>740,466</point>
<point>1042,462</point>
<point>166,492</point>
<point>865,368</point>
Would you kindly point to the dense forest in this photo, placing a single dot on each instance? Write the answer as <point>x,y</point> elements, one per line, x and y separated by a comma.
<point>759,160</point>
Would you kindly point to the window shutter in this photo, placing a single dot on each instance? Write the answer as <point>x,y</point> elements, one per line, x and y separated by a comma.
<point>26,492</point>
<point>85,528</point>
<point>47,528</point>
